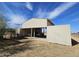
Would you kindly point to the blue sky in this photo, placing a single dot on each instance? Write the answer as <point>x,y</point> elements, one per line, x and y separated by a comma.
<point>59,13</point>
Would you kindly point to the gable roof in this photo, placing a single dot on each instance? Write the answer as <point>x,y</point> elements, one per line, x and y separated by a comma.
<point>36,23</point>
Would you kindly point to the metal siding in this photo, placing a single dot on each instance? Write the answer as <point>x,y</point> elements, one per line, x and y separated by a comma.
<point>59,34</point>
<point>35,23</point>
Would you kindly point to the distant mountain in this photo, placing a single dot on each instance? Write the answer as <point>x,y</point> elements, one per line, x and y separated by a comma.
<point>75,34</point>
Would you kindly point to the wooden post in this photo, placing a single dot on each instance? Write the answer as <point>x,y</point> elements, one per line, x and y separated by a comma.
<point>34,32</point>
<point>43,30</point>
<point>31,32</point>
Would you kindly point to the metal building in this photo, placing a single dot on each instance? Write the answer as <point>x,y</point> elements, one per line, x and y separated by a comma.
<point>45,28</point>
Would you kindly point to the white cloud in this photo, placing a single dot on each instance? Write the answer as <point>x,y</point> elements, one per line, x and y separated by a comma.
<point>16,20</point>
<point>41,13</point>
<point>29,6</point>
<point>60,9</point>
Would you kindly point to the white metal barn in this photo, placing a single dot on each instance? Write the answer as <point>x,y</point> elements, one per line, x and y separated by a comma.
<point>46,29</point>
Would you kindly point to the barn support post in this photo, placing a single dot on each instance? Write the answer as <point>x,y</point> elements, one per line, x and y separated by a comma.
<point>34,32</point>
<point>31,32</point>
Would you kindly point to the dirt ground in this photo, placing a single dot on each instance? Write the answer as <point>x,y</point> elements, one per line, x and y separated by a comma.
<point>38,48</point>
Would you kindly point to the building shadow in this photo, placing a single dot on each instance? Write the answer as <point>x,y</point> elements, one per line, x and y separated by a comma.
<point>74,42</point>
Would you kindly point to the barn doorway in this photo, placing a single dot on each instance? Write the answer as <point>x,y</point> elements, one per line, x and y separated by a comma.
<point>34,32</point>
<point>39,32</point>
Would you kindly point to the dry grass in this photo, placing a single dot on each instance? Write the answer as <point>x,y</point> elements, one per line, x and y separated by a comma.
<point>46,49</point>
<point>39,48</point>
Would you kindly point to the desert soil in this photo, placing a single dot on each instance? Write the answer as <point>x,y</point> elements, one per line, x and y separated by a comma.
<point>39,48</point>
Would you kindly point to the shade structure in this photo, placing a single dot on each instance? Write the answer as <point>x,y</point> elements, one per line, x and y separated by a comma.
<point>36,23</point>
<point>60,34</point>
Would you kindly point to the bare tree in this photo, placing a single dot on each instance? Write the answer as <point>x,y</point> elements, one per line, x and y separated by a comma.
<point>2,27</point>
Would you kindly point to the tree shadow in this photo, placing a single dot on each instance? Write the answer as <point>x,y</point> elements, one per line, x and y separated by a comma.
<point>9,42</point>
<point>74,42</point>
<point>19,48</point>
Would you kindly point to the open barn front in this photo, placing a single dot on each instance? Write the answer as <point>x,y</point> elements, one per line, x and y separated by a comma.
<point>44,28</point>
<point>36,27</point>
<point>34,32</point>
